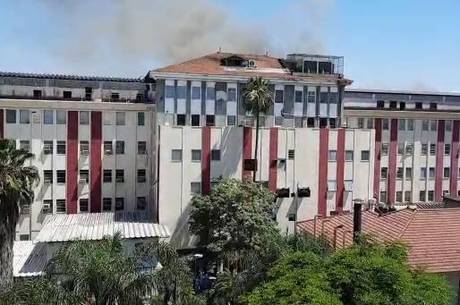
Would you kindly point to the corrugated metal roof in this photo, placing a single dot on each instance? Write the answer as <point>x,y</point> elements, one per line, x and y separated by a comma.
<point>94,226</point>
<point>29,258</point>
<point>69,77</point>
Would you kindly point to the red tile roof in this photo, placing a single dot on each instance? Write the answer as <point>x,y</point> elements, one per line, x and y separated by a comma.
<point>433,235</point>
<point>266,66</point>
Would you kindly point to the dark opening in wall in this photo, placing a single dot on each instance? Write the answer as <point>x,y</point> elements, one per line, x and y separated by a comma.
<point>210,120</point>
<point>67,94</point>
<point>393,104</point>
<point>380,104</point>
<point>433,106</point>
<point>180,120</point>
<point>418,105</point>
<point>310,122</point>
<point>37,94</point>
<point>322,122</point>
<point>402,105</point>
<point>195,120</point>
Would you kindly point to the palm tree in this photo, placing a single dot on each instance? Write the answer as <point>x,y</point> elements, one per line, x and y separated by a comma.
<point>16,189</point>
<point>258,99</point>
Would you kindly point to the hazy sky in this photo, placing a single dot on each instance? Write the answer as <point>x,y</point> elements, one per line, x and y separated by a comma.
<point>388,44</point>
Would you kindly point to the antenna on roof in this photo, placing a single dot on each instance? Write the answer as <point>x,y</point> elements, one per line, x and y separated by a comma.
<point>220,50</point>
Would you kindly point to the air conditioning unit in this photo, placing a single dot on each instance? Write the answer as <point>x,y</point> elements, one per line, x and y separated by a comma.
<point>47,181</point>
<point>84,152</point>
<point>82,181</point>
<point>46,208</point>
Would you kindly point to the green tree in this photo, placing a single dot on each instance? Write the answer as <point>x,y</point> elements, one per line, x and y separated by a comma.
<point>257,99</point>
<point>365,274</point>
<point>16,189</point>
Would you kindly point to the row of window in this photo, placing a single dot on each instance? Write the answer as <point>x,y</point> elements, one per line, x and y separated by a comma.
<point>408,149</point>
<point>48,147</point>
<point>408,196</point>
<point>423,173</point>
<point>402,105</point>
<point>176,155</point>
<point>84,176</point>
<point>332,157</point>
<point>60,117</point>
<point>107,205</point>
<point>403,124</point>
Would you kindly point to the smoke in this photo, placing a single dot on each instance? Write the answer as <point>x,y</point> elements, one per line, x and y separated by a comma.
<point>136,35</point>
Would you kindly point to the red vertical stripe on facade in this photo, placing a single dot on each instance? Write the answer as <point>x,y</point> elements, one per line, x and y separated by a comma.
<point>340,175</point>
<point>96,162</point>
<point>454,159</point>
<point>377,157</point>
<point>247,150</point>
<point>322,173</point>
<point>2,123</point>
<point>273,166</point>
<point>206,160</point>
<point>439,161</point>
<point>72,162</point>
<point>392,161</point>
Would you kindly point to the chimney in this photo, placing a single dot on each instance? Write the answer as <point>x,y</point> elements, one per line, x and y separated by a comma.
<point>357,219</point>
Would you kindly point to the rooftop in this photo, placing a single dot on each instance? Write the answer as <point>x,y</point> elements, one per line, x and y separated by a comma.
<point>432,235</point>
<point>68,77</point>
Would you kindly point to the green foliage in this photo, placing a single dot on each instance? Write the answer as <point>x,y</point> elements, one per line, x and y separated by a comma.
<point>236,216</point>
<point>365,274</point>
<point>257,96</point>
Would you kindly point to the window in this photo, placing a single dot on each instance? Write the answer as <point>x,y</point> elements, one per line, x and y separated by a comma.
<point>48,117</point>
<point>384,149</point>
<point>279,96</point>
<point>431,172</point>
<point>84,175</point>
<point>448,125</point>
<point>115,96</point>
<point>446,172</point>
<point>141,148</point>
<point>332,156</point>
<point>11,116</point>
<point>422,196</point>
<point>332,123</point>
<point>84,117</point>
<point>432,149</point>
<point>385,124</point>
<point>141,175</point>
<point>195,188</point>
<point>169,92</point>
<point>365,155</point>
<point>231,120</point>
<point>331,185</point>
<point>399,196</point>
<point>48,176</point>
<point>291,154</point>
<point>231,94</point>
<point>60,206</point>
<point>399,173</point>
<point>210,120</point>
<point>120,118</point>
<point>422,173</point>
<point>48,147</point>
<point>180,119</point>
<point>84,205</point>
<point>196,155</point>
<point>348,155</point>
<point>410,124</point>
<point>298,96</point>
<point>84,148</point>
<point>210,93</point>
<point>433,106</point>
<point>447,149</point>
<point>400,148</point>
<point>88,93</point>
<point>67,94</point>
<point>383,196</point>
<point>384,172</point>
<point>60,176</point>
<point>181,92</point>
<point>176,155</point>
<point>279,121</point>
<point>107,176</point>
<point>196,93</point>
<point>195,118</point>
<point>119,204</point>
<point>408,173</point>
<point>120,176</point>
<point>310,122</point>
<point>108,148</point>
<point>24,145</point>
<point>424,149</point>
<point>215,155</point>
<point>402,124</point>
<point>402,105</point>
<point>61,117</point>
<point>393,104</point>
<point>425,124</point>
<point>120,147</point>
<point>380,104</point>
<point>298,122</point>
<point>140,119</point>
<point>141,203</point>
<point>370,123</point>
<point>37,94</point>
<point>433,125</point>
<point>106,204</point>
<point>24,116</point>
<point>430,195</point>
<point>418,105</point>
<point>409,149</point>
<point>47,206</point>
<point>360,123</point>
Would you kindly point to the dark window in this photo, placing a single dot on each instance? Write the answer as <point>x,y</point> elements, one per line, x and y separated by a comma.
<point>88,93</point>
<point>195,120</point>
<point>418,105</point>
<point>120,175</point>
<point>196,93</point>
<point>108,148</point>
<point>107,175</point>
<point>141,176</point>
<point>332,123</point>
<point>231,120</point>
<point>120,147</point>
<point>11,116</point>
<point>23,237</point>
<point>210,93</point>
<point>380,104</point>
<point>310,122</point>
<point>84,175</point>
<point>196,155</point>
<point>180,119</point>
<point>60,206</point>
<point>115,96</point>
<point>48,176</point>
<point>215,155</point>
<point>47,206</point>
<point>140,119</point>
<point>37,94</point>
<point>279,96</point>
<point>141,147</point>
<point>107,204</point>
<point>67,94</point>
<point>310,67</point>
<point>393,104</point>
<point>48,147</point>
<point>291,154</point>
<point>84,205</point>
<point>298,96</point>
<point>141,203</point>
<point>210,120</point>
<point>402,105</point>
<point>322,122</point>
<point>325,67</point>
<point>119,204</point>
<point>60,176</point>
<point>60,147</point>
<point>433,106</point>
<point>84,148</point>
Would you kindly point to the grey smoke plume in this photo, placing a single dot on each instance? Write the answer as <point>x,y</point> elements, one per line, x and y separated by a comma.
<point>135,35</point>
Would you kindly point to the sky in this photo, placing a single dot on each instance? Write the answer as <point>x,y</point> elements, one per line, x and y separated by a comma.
<point>387,44</point>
